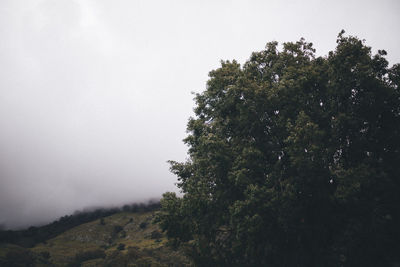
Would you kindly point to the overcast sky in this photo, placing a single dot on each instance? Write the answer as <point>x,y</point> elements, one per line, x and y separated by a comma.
<point>95,95</point>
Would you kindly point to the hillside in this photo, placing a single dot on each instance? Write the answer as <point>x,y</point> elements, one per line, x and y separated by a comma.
<point>121,239</point>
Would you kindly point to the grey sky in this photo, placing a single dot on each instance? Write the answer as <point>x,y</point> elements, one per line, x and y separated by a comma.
<point>95,95</point>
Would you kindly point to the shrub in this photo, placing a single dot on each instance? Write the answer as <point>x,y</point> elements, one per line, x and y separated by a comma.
<point>143,225</point>
<point>156,234</point>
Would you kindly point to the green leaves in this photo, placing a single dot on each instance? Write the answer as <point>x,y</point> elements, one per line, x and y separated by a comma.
<point>290,157</point>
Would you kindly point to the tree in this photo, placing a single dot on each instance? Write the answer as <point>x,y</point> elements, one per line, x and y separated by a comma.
<point>293,161</point>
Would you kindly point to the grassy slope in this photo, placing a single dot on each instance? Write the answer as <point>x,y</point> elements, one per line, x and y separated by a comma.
<point>122,228</point>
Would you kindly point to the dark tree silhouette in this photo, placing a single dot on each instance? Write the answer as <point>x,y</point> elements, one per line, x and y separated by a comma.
<point>294,161</point>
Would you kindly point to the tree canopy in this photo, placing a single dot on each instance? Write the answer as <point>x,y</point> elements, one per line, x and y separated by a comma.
<point>294,160</point>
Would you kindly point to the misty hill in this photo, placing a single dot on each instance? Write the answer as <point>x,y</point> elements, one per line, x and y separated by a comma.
<point>33,235</point>
<point>103,237</point>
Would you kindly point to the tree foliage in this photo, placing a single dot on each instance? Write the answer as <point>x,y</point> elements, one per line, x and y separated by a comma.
<point>293,161</point>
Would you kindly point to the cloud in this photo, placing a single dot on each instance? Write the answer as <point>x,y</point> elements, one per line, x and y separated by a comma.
<point>77,128</point>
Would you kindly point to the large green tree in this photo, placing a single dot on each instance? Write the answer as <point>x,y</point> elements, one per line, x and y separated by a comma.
<point>294,160</point>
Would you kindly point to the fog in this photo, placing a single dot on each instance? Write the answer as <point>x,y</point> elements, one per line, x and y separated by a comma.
<point>95,95</point>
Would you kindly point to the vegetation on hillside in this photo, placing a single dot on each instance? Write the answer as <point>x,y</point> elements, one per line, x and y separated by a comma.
<point>34,235</point>
<point>122,239</point>
<point>293,161</point>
